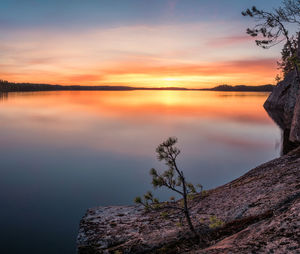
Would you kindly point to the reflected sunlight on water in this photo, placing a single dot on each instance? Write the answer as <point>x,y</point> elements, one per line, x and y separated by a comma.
<point>62,152</point>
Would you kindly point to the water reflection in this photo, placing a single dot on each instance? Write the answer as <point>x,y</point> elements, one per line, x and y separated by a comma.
<point>93,119</point>
<point>62,152</point>
<point>3,96</point>
<point>279,119</point>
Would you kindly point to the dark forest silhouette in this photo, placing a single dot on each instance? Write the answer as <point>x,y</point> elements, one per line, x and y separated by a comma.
<point>6,86</point>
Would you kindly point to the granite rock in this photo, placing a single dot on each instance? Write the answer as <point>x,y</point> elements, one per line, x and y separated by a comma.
<point>260,211</point>
<point>285,99</point>
<point>295,126</point>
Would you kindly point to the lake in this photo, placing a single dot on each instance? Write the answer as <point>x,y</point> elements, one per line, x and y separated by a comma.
<point>63,152</point>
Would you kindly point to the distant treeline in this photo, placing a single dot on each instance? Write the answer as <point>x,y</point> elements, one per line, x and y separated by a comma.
<point>243,88</point>
<point>6,86</point>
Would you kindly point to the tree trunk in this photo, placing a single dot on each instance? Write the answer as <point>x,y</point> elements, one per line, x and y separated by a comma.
<point>186,209</point>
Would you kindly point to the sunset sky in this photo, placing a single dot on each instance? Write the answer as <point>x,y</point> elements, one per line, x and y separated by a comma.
<point>151,43</point>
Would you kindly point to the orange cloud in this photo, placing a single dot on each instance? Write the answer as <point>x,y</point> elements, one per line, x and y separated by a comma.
<point>81,78</point>
<point>145,73</point>
<point>216,68</point>
<point>169,55</point>
<point>230,40</point>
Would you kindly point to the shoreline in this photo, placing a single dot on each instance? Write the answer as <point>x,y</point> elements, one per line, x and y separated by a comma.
<point>258,210</point>
<point>6,87</point>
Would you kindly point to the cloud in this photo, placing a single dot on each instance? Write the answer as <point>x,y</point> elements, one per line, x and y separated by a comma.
<point>152,72</point>
<point>229,41</point>
<point>172,5</point>
<point>139,55</point>
<point>258,66</point>
<point>81,78</point>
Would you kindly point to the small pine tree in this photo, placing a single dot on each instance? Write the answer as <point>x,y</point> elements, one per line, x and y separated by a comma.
<point>173,179</point>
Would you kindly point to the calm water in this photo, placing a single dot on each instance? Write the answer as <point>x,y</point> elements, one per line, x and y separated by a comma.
<point>63,152</point>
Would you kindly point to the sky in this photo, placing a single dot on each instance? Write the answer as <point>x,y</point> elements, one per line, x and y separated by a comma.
<point>142,43</point>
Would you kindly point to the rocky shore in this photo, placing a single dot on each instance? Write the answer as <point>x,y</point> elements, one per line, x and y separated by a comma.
<point>283,105</point>
<point>256,213</point>
<point>260,213</point>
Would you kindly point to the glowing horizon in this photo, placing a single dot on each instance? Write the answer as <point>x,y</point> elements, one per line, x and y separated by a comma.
<point>174,45</point>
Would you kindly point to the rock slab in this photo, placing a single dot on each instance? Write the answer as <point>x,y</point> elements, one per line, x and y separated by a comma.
<point>263,205</point>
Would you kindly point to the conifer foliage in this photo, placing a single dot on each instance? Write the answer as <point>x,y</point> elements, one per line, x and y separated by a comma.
<point>282,24</point>
<point>172,178</point>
